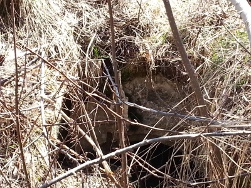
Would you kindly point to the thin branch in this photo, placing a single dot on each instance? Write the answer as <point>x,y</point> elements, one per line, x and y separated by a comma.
<point>215,152</point>
<point>18,129</point>
<point>118,107</point>
<point>137,145</point>
<point>189,67</point>
<point>187,117</point>
<point>235,38</point>
<point>212,123</point>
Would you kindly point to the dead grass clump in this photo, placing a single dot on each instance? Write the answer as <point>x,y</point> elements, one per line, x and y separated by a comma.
<point>46,29</point>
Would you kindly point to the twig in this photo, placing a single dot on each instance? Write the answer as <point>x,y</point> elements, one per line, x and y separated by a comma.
<point>226,27</point>
<point>192,118</point>
<point>118,107</point>
<point>17,98</point>
<point>135,146</point>
<point>211,122</point>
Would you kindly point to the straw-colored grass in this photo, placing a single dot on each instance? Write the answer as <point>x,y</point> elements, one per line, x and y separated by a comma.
<point>70,34</point>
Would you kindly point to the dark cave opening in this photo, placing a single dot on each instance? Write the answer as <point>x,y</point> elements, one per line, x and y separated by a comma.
<point>166,159</point>
<point>144,161</point>
<point>155,156</point>
<point>155,165</point>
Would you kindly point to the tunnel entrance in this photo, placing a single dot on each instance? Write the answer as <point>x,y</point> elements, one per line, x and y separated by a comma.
<point>155,165</point>
<point>152,165</point>
<point>160,165</point>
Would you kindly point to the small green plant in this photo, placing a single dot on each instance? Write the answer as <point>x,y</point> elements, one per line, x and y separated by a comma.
<point>96,52</point>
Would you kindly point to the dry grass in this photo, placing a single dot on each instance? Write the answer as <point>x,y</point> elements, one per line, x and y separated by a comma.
<point>68,34</point>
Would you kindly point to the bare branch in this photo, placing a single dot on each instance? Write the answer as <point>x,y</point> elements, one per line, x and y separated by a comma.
<point>137,145</point>
<point>189,68</point>
<point>118,107</point>
<point>192,118</point>
<point>18,129</point>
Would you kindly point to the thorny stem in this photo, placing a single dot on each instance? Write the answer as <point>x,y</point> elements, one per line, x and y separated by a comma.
<point>17,99</point>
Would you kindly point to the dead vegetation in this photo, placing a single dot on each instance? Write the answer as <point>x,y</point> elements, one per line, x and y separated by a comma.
<point>67,101</point>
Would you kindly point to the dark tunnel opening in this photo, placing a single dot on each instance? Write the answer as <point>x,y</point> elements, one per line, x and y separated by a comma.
<point>159,165</point>
<point>143,174</point>
<point>151,163</point>
<point>144,161</point>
